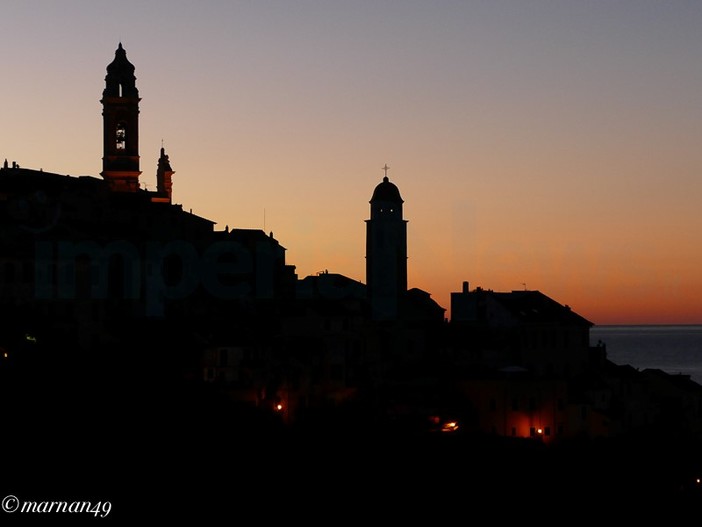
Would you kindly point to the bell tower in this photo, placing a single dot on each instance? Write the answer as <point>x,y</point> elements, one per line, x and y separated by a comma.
<point>120,118</point>
<point>386,251</point>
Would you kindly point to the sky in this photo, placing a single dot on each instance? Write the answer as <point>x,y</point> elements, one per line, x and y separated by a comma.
<point>542,145</point>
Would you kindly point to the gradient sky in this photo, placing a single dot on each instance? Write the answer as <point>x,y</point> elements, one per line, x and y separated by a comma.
<point>548,145</point>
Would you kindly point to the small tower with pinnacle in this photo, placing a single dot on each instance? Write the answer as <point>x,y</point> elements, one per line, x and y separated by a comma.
<point>164,174</point>
<point>386,251</point>
<point>120,117</point>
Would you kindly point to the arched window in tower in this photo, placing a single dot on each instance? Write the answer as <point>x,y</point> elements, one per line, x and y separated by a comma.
<point>121,136</point>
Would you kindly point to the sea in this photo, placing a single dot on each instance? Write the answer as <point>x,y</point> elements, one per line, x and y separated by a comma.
<point>673,349</point>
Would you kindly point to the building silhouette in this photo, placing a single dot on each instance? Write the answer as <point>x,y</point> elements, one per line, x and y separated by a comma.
<point>116,298</point>
<point>120,114</point>
<point>386,251</point>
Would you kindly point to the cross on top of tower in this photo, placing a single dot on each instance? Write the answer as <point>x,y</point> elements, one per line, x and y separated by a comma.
<point>385,169</point>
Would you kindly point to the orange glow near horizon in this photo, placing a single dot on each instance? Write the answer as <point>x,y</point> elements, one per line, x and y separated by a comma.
<point>553,147</point>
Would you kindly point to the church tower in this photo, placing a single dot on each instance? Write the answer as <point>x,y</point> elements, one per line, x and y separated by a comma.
<point>164,177</point>
<point>386,251</point>
<point>120,117</point>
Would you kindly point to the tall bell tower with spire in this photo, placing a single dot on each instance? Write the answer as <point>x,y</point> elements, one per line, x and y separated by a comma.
<point>120,117</point>
<point>386,251</point>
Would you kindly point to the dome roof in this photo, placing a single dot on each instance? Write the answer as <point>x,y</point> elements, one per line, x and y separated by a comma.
<point>120,80</point>
<point>120,65</point>
<point>386,191</point>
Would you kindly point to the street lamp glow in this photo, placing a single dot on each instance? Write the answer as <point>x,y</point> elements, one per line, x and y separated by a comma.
<point>449,426</point>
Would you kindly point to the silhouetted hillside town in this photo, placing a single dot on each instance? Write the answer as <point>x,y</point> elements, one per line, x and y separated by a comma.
<point>124,313</point>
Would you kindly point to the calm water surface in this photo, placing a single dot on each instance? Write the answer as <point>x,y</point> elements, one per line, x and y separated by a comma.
<point>673,349</point>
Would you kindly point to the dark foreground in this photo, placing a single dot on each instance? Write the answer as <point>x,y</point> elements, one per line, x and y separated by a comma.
<point>160,452</point>
<point>188,468</point>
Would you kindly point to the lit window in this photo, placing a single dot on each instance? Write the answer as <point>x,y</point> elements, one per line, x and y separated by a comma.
<point>121,137</point>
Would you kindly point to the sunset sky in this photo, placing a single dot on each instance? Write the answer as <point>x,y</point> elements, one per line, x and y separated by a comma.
<point>547,145</point>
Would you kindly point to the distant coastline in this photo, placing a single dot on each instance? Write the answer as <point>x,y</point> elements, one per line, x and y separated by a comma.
<point>672,348</point>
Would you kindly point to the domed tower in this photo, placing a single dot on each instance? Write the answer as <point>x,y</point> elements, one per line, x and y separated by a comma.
<point>120,118</point>
<point>386,251</point>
